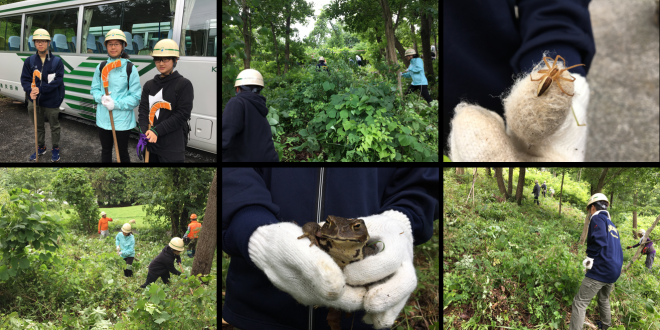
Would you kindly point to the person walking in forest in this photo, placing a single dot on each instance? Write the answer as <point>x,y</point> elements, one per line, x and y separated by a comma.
<point>416,72</point>
<point>103,225</point>
<point>125,242</point>
<point>604,261</point>
<point>536,191</point>
<point>191,235</point>
<point>163,264</point>
<point>648,250</point>
<point>322,64</point>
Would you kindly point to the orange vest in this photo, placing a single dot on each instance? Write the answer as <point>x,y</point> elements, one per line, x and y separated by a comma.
<point>195,227</point>
<point>103,223</point>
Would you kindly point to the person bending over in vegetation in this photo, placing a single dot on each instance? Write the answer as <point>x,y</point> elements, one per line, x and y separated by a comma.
<point>322,64</point>
<point>648,249</point>
<point>416,72</point>
<point>125,242</point>
<point>544,187</point>
<point>604,261</point>
<point>103,225</point>
<point>163,264</point>
<point>536,191</point>
<point>246,134</point>
<point>191,235</point>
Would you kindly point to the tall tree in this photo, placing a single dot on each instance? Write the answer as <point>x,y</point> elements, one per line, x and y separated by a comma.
<point>209,234</point>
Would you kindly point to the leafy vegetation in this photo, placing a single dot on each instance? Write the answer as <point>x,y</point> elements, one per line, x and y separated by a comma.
<point>520,266</point>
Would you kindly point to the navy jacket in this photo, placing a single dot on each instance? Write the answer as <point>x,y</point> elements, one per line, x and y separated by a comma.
<point>253,197</point>
<point>51,93</point>
<point>604,246</point>
<point>246,134</point>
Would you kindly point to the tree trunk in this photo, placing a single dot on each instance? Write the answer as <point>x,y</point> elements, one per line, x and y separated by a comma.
<point>208,236</point>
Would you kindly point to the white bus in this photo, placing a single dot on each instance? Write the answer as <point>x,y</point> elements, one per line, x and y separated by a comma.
<point>77,29</point>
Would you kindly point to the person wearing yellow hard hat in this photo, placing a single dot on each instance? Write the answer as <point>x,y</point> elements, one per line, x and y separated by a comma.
<point>246,133</point>
<point>602,264</point>
<point>192,234</point>
<point>165,107</point>
<point>48,93</point>
<point>125,242</point>
<point>163,264</point>
<point>416,72</point>
<point>125,90</point>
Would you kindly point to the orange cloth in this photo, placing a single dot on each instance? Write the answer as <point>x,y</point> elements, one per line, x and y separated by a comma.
<point>195,227</point>
<point>103,223</point>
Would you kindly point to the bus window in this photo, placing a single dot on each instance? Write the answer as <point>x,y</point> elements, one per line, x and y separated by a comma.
<point>199,29</point>
<point>10,33</point>
<point>142,31</point>
<point>60,24</point>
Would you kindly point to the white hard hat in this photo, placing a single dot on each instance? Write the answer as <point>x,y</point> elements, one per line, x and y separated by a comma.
<point>102,213</point>
<point>597,197</point>
<point>321,58</point>
<point>126,228</point>
<point>410,52</point>
<point>41,34</point>
<point>249,77</point>
<point>176,243</point>
<point>642,231</point>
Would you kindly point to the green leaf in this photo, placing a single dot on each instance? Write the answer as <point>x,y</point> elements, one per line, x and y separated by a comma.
<point>343,114</point>
<point>24,263</point>
<point>4,275</point>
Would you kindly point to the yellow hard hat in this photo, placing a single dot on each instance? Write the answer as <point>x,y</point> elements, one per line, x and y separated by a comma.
<point>176,243</point>
<point>249,77</point>
<point>410,52</point>
<point>166,48</point>
<point>40,34</point>
<point>115,34</point>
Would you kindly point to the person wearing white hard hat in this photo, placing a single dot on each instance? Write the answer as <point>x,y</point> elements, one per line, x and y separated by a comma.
<point>322,64</point>
<point>125,242</point>
<point>124,95</point>
<point>416,72</point>
<point>603,262</point>
<point>103,225</point>
<point>246,133</point>
<point>48,93</point>
<point>165,108</point>
<point>163,264</point>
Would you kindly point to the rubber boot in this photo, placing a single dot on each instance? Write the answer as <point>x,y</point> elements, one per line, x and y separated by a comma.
<point>126,272</point>
<point>129,273</point>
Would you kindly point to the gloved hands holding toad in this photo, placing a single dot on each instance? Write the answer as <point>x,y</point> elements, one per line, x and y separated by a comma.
<point>539,128</point>
<point>379,282</point>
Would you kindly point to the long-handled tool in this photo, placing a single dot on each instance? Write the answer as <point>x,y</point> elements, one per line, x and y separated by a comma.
<point>36,73</point>
<point>104,78</point>
<point>152,112</point>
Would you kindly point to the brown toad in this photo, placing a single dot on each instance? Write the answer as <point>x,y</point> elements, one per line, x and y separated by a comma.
<point>345,240</point>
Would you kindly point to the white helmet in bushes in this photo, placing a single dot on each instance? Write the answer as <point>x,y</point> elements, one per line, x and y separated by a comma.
<point>176,244</point>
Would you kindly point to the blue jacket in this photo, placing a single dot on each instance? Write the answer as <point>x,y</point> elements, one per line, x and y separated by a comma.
<point>51,92</point>
<point>126,244</point>
<point>416,72</point>
<point>254,197</point>
<point>604,246</point>
<point>126,98</point>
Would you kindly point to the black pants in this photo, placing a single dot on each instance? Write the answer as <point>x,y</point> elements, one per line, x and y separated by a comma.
<point>424,91</point>
<point>107,144</point>
<point>536,200</point>
<point>152,278</point>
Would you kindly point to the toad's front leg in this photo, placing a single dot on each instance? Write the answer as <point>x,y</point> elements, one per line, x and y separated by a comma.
<point>309,230</point>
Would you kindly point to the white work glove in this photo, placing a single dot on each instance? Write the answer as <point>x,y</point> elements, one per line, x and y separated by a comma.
<point>539,128</point>
<point>107,102</point>
<point>384,301</point>
<point>118,248</point>
<point>307,273</point>
<point>588,263</point>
